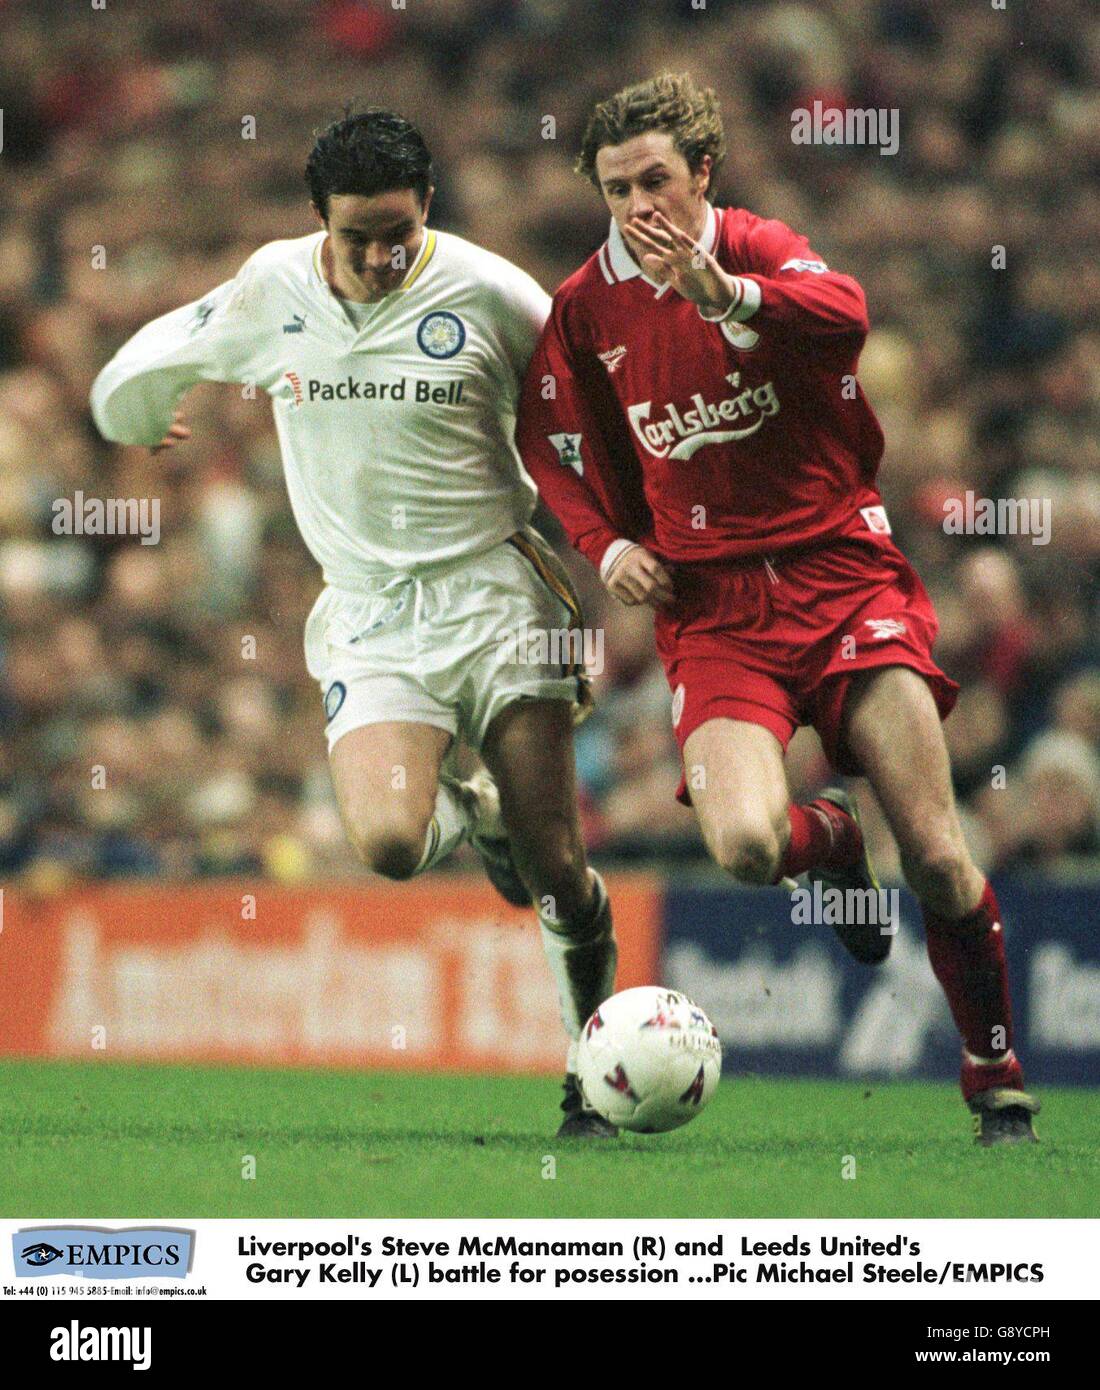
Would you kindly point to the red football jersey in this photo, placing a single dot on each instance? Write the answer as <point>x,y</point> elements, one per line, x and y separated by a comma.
<point>641,420</point>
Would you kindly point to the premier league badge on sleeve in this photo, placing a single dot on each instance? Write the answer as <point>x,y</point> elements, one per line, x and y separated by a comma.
<point>441,334</point>
<point>569,451</point>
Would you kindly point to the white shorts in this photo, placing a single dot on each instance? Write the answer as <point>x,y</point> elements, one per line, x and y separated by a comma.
<point>452,649</point>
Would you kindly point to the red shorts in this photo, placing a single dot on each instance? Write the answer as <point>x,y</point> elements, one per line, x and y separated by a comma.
<point>776,642</point>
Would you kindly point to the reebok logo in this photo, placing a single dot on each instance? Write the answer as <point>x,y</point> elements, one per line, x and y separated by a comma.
<point>882,629</point>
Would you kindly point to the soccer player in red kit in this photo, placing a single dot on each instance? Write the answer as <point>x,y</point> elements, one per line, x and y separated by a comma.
<point>693,418</point>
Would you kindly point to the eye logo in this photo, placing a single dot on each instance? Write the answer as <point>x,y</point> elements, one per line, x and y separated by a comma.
<point>41,1254</point>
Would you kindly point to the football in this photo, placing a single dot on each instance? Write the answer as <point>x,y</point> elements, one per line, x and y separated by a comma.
<point>649,1059</point>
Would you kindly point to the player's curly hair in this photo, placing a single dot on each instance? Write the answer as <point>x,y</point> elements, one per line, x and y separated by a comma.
<point>374,151</point>
<point>669,102</point>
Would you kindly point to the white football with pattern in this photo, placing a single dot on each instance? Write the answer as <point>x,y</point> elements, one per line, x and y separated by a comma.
<point>649,1059</point>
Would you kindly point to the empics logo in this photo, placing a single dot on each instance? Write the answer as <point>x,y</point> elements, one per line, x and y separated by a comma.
<point>76,1343</point>
<point>132,1253</point>
<point>679,436</point>
<point>42,1254</point>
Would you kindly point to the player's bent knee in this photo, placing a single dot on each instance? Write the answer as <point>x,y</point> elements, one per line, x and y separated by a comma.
<point>937,866</point>
<point>749,852</point>
<point>392,851</point>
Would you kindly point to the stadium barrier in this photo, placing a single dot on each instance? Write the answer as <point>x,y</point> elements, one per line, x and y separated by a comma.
<point>786,999</point>
<point>441,974</point>
<point>434,974</point>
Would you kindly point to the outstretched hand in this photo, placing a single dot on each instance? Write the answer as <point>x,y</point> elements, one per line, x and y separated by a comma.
<point>669,256</point>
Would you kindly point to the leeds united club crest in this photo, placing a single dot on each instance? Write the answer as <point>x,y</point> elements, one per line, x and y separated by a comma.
<point>441,334</point>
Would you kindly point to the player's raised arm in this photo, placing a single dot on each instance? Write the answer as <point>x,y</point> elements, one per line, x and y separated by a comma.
<point>134,397</point>
<point>794,291</point>
<point>794,288</point>
<point>782,284</point>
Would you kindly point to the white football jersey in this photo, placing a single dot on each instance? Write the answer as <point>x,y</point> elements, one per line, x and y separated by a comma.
<point>396,435</point>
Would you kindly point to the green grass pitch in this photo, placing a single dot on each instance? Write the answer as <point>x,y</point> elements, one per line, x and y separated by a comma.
<point>108,1141</point>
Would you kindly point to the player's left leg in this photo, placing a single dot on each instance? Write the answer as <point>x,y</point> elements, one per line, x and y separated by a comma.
<point>528,749</point>
<point>892,726</point>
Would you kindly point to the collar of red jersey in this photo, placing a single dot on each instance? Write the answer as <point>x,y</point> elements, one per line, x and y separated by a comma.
<point>618,264</point>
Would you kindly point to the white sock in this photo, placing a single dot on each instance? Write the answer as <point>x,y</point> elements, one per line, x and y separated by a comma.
<point>582,958</point>
<point>449,826</point>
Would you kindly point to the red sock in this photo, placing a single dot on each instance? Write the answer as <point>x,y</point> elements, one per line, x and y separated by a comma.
<point>822,836</point>
<point>968,959</point>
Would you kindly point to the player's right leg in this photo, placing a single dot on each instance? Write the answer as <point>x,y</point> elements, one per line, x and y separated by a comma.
<point>734,710</point>
<point>397,815</point>
<point>733,770</point>
<point>388,735</point>
<point>403,814</point>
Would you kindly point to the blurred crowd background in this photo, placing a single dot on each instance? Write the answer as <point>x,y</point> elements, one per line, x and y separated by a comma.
<point>122,130</point>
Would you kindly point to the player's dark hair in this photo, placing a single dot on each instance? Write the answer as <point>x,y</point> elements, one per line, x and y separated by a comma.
<point>372,152</point>
<point>669,102</point>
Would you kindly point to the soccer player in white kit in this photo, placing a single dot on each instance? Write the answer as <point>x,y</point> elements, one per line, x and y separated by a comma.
<point>393,355</point>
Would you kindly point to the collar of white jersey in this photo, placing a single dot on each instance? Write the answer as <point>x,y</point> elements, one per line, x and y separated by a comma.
<point>617,263</point>
<point>428,243</point>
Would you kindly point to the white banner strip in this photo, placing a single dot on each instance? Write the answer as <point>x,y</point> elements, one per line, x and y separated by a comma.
<point>511,1260</point>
